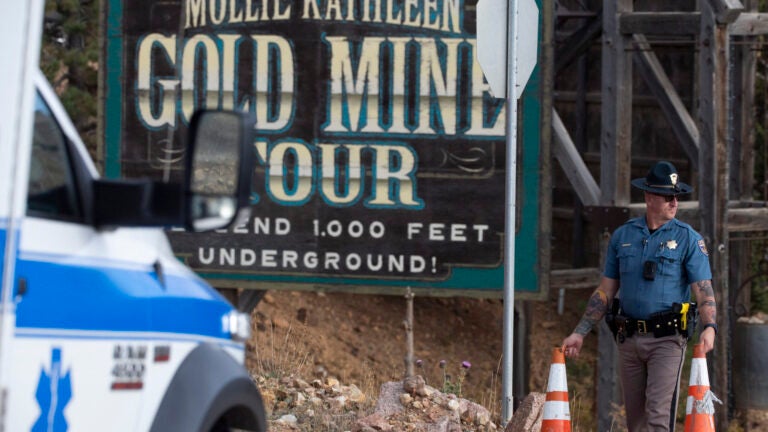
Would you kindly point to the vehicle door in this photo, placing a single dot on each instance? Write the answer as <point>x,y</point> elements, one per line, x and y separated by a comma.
<point>20,44</point>
<point>82,321</point>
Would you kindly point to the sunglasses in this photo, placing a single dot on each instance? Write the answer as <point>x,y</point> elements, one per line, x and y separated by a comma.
<point>667,198</point>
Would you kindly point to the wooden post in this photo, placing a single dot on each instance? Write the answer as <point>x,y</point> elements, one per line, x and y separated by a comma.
<point>615,172</point>
<point>713,187</point>
<point>742,152</point>
<point>408,323</point>
<point>616,115</point>
<point>608,382</point>
<point>741,156</point>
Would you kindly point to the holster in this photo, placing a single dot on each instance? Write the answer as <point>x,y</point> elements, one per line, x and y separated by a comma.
<point>688,326</point>
<point>610,317</point>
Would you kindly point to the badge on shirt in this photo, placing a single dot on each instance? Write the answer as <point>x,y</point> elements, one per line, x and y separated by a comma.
<point>672,245</point>
<point>703,247</point>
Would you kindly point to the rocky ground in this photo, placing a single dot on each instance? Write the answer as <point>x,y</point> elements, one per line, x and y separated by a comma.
<point>409,405</point>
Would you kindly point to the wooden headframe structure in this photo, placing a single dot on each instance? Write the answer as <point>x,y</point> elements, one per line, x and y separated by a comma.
<point>714,129</point>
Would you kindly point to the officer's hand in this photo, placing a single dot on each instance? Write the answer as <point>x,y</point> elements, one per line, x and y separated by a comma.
<point>707,339</point>
<point>572,345</point>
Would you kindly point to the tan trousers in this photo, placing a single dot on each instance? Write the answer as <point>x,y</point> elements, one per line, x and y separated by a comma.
<point>650,377</point>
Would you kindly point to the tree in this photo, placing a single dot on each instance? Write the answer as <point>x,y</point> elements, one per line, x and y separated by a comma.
<point>70,60</point>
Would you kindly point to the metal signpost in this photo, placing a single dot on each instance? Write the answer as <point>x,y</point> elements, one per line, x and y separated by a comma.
<point>497,31</point>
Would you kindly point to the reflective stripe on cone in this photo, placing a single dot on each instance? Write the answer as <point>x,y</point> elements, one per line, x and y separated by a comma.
<point>700,404</point>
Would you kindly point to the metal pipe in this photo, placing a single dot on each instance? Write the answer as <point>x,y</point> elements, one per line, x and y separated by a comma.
<point>507,406</point>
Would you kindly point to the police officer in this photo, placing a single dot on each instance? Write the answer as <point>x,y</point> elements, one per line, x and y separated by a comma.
<point>652,264</point>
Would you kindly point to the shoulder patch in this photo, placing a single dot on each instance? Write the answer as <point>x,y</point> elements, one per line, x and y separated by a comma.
<point>703,247</point>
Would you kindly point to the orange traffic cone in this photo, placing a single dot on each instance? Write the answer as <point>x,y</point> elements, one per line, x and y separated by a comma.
<point>557,414</point>
<point>700,405</point>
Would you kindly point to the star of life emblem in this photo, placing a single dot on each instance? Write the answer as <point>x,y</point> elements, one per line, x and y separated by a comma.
<point>53,394</point>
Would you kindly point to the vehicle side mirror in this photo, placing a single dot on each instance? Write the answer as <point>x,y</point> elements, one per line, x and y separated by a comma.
<point>219,169</point>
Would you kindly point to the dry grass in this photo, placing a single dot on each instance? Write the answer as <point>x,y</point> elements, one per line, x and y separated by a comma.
<point>275,353</point>
<point>276,358</point>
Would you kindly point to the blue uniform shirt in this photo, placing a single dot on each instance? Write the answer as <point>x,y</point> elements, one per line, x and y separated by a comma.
<point>681,259</point>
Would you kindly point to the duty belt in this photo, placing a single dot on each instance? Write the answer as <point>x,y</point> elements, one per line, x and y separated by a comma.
<point>681,319</point>
<point>660,326</point>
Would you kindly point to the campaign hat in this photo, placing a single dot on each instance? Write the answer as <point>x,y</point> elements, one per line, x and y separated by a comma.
<point>662,179</point>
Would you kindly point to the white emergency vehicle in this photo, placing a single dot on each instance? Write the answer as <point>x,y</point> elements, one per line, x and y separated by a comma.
<point>102,329</point>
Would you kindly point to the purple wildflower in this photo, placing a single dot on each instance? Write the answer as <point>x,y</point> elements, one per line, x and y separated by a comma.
<point>466,365</point>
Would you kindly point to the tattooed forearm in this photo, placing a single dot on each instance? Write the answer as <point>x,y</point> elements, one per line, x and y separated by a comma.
<point>596,308</point>
<point>704,288</point>
<point>708,312</point>
<point>705,296</point>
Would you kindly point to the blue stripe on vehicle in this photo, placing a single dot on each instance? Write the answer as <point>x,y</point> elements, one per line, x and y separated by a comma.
<point>3,238</point>
<point>77,296</point>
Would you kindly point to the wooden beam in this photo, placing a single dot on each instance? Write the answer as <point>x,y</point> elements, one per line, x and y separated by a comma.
<point>578,43</point>
<point>574,167</point>
<point>750,24</point>
<point>747,220</point>
<point>740,219</point>
<point>575,278</point>
<point>726,11</point>
<point>683,125</point>
<point>660,23</point>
